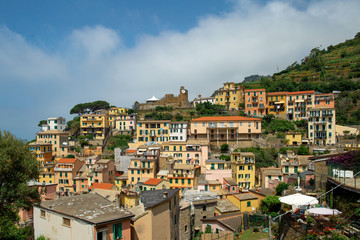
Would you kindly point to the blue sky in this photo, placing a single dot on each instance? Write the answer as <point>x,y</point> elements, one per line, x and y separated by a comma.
<point>54,55</point>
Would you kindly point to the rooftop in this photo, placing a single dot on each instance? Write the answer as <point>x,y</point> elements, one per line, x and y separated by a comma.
<point>103,186</point>
<point>225,206</point>
<point>224,118</point>
<point>153,181</point>
<point>231,220</point>
<point>245,196</point>
<point>67,160</point>
<point>153,198</point>
<point>91,208</point>
<point>263,191</point>
<point>216,161</point>
<point>230,181</point>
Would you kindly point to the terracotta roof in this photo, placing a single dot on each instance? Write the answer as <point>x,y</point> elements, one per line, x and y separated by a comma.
<point>108,186</point>
<point>277,93</point>
<point>67,160</point>
<point>153,181</point>
<point>301,92</point>
<point>224,118</point>
<point>252,90</point>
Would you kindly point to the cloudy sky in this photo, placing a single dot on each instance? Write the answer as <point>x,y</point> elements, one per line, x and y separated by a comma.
<point>54,55</point>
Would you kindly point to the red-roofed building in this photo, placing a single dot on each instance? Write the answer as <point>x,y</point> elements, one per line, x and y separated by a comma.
<point>225,128</point>
<point>66,169</point>
<point>106,186</point>
<point>255,102</point>
<point>298,104</point>
<point>155,184</point>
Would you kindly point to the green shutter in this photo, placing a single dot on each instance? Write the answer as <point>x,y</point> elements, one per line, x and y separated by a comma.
<point>114,228</point>
<point>120,230</point>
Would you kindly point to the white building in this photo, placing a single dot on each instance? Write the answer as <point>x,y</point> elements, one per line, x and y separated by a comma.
<point>178,131</point>
<point>56,123</point>
<point>321,125</point>
<point>200,99</point>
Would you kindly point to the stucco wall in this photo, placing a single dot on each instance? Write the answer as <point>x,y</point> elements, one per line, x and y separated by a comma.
<point>52,227</point>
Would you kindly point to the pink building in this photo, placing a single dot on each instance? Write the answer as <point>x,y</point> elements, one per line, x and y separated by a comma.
<point>103,171</point>
<point>217,169</point>
<point>255,102</point>
<point>225,128</point>
<point>230,186</point>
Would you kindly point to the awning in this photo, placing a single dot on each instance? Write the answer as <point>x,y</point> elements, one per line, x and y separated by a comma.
<point>324,211</point>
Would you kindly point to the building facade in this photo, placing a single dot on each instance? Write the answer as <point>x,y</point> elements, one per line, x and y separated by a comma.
<point>255,102</point>
<point>321,126</point>
<point>230,96</point>
<point>243,169</point>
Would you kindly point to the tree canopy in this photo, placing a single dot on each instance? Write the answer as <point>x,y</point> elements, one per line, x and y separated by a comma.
<point>90,107</point>
<point>17,166</point>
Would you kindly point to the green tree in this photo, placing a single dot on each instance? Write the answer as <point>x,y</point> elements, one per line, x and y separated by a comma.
<point>270,204</point>
<point>224,148</point>
<point>42,122</point>
<point>280,188</point>
<point>17,166</point>
<point>302,150</point>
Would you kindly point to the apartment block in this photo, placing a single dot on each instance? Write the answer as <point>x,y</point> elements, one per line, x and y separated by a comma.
<point>66,169</point>
<point>290,163</point>
<point>255,102</point>
<point>103,171</point>
<point>321,126</point>
<point>225,128</point>
<point>243,169</point>
<point>299,104</point>
<point>113,113</point>
<point>183,176</point>
<point>325,100</point>
<point>230,95</point>
<point>277,104</point>
<point>152,131</point>
<point>58,140</point>
<point>125,123</point>
<point>56,123</point>
<point>178,131</point>
<point>145,164</point>
<point>94,124</point>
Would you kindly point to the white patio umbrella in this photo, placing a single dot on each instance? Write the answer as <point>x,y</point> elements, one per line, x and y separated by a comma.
<point>296,200</point>
<point>324,211</point>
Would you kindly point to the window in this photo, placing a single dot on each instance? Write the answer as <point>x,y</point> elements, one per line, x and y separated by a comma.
<point>66,222</point>
<point>117,230</point>
<point>204,208</point>
<point>248,204</point>
<point>175,219</point>
<point>185,228</point>
<point>42,214</point>
<point>189,181</point>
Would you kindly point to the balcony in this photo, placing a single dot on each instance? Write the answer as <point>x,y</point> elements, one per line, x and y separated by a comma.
<point>59,169</point>
<point>327,114</point>
<point>320,122</point>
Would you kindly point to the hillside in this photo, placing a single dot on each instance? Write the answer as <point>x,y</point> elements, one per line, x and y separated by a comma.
<point>336,68</point>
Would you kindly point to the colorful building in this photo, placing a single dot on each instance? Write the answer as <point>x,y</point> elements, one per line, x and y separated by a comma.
<point>178,131</point>
<point>56,123</point>
<point>230,96</point>
<point>113,113</point>
<point>299,103</point>
<point>255,102</point>
<point>43,153</point>
<point>96,125</point>
<point>58,140</point>
<point>321,126</point>
<point>103,171</point>
<point>155,184</point>
<point>225,128</point>
<point>277,104</point>
<point>293,138</point>
<point>126,123</point>
<point>270,177</point>
<point>217,169</point>
<point>243,169</point>
<point>247,202</point>
<point>184,176</point>
<point>325,100</point>
<point>66,169</point>
<point>152,131</point>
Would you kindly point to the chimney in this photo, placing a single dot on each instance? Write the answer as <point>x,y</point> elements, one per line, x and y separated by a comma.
<point>165,194</point>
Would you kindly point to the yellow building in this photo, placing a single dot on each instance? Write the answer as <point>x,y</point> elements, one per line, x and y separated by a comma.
<point>129,199</point>
<point>66,170</point>
<point>243,169</point>
<point>247,202</point>
<point>121,182</point>
<point>155,184</point>
<point>183,176</point>
<point>47,174</point>
<point>94,124</point>
<point>230,96</point>
<point>293,138</point>
<point>277,104</point>
<point>152,131</point>
<point>43,153</point>
<point>113,112</point>
<point>58,139</point>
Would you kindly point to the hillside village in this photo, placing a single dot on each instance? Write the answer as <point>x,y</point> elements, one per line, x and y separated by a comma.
<point>214,167</point>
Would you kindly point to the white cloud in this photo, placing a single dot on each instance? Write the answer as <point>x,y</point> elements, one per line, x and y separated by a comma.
<point>93,63</point>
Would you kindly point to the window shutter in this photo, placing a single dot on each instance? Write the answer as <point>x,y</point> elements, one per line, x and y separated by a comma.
<point>114,232</point>
<point>120,230</point>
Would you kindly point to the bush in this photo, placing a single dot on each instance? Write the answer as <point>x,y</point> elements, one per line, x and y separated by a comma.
<point>256,229</point>
<point>302,150</point>
<point>224,148</point>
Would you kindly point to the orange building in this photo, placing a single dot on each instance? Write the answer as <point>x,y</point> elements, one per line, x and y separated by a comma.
<point>66,169</point>
<point>299,103</point>
<point>255,102</point>
<point>324,100</point>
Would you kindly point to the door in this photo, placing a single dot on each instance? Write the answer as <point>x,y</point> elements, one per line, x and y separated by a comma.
<point>101,235</point>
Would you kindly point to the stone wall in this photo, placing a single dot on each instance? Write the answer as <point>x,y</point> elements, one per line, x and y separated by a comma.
<point>320,172</point>
<point>185,223</point>
<point>203,209</point>
<point>169,100</point>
